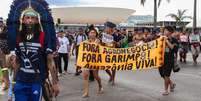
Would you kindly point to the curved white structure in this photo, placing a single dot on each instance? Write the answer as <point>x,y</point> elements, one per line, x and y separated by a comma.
<point>91,15</point>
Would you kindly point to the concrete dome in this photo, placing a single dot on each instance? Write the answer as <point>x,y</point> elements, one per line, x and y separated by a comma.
<point>91,15</point>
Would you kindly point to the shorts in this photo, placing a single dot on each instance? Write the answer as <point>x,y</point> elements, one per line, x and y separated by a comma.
<point>195,50</point>
<point>166,69</point>
<point>184,48</point>
<point>28,91</point>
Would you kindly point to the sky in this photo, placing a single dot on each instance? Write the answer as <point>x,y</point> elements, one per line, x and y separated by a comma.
<point>164,9</point>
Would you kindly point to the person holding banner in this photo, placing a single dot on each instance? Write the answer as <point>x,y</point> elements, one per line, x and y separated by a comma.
<point>93,34</point>
<point>108,40</point>
<point>80,37</point>
<point>165,70</point>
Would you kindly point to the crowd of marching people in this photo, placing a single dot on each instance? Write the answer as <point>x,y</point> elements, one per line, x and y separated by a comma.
<point>33,55</point>
<point>178,44</point>
<point>123,38</point>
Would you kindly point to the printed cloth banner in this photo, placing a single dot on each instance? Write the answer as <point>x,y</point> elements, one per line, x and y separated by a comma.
<point>146,56</point>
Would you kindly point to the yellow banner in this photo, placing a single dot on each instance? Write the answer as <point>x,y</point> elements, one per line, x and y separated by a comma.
<point>146,56</point>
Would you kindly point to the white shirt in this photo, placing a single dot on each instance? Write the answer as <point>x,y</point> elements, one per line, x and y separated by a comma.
<point>107,38</point>
<point>139,43</point>
<point>194,38</point>
<point>184,38</point>
<point>79,39</point>
<point>63,45</point>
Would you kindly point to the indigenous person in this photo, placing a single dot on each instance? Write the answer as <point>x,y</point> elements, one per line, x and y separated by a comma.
<point>93,34</point>
<point>91,27</point>
<point>63,52</point>
<point>32,47</point>
<point>194,39</point>
<point>80,37</point>
<point>166,69</point>
<point>4,51</point>
<point>108,40</point>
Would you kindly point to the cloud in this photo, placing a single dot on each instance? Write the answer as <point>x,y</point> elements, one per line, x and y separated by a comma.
<point>5,7</point>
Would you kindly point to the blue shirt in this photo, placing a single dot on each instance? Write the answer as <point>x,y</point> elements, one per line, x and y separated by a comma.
<point>32,62</point>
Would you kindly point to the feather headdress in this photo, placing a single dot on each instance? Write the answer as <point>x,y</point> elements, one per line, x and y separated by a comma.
<point>18,7</point>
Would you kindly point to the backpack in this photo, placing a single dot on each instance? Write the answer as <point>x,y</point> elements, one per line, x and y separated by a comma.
<point>84,37</point>
<point>70,38</point>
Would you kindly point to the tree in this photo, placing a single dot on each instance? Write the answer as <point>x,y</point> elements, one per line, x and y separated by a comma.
<point>155,9</point>
<point>195,15</point>
<point>179,17</point>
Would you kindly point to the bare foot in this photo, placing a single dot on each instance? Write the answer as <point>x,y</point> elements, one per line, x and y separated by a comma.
<point>113,84</point>
<point>172,87</point>
<point>110,80</point>
<point>85,95</point>
<point>100,91</point>
<point>165,93</point>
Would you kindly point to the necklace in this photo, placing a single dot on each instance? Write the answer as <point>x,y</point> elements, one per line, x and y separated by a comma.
<point>29,36</point>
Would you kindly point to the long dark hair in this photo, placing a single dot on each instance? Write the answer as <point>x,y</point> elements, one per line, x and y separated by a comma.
<point>4,41</point>
<point>93,29</point>
<point>3,34</point>
<point>23,33</point>
<point>90,28</point>
<point>170,29</point>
